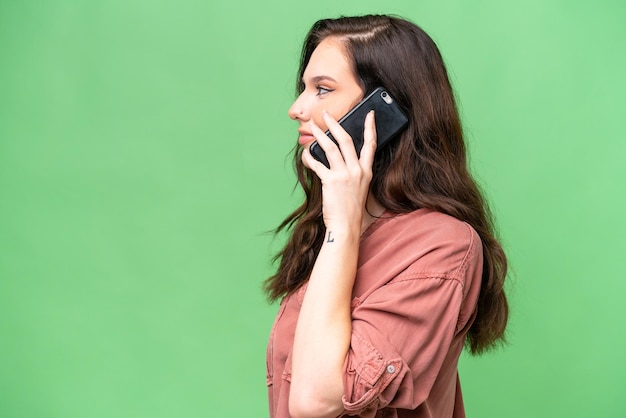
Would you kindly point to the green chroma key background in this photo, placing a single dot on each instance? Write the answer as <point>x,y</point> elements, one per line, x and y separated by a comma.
<point>144,154</point>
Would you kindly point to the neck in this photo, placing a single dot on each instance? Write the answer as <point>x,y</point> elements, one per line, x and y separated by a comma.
<point>373,211</point>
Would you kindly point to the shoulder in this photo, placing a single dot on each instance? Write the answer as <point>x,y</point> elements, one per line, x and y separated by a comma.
<point>449,248</point>
<point>429,223</point>
<point>429,244</point>
<point>427,226</point>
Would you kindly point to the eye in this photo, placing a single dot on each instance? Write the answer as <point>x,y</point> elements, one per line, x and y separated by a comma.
<point>322,90</point>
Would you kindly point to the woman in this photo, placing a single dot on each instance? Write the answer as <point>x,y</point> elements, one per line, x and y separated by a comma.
<point>392,265</point>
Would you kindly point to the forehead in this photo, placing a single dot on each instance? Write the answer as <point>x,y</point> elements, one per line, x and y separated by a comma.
<point>329,59</point>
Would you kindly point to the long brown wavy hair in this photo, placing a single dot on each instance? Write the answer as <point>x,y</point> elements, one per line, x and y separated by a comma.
<point>425,167</point>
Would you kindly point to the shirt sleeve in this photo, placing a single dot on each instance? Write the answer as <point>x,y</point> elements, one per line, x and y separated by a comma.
<point>400,337</point>
<point>403,332</point>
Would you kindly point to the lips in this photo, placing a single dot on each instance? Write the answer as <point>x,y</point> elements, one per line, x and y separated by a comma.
<point>305,137</point>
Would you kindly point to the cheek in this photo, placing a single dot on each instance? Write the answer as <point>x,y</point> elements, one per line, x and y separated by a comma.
<point>336,111</point>
<point>316,114</point>
<point>319,121</point>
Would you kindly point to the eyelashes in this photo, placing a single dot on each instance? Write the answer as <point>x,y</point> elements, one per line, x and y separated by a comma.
<point>321,91</point>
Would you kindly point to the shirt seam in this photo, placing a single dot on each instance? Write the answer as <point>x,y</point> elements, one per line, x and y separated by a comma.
<point>407,277</point>
<point>470,249</point>
<point>455,275</point>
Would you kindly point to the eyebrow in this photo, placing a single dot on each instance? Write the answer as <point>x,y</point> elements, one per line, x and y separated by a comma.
<point>319,78</point>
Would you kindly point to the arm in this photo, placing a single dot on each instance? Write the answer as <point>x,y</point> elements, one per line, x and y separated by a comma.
<point>408,329</point>
<point>324,327</point>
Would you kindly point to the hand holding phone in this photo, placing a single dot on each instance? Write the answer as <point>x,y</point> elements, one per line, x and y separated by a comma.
<point>390,120</point>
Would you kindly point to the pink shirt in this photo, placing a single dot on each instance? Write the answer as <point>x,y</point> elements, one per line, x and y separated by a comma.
<point>414,299</point>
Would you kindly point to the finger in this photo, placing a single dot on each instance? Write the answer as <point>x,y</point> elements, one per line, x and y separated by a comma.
<point>333,154</point>
<point>310,162</point>
<point>346,145</point>
<point>369,140</point>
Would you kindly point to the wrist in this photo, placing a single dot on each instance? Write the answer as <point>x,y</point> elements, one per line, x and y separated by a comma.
<point>341,233</point>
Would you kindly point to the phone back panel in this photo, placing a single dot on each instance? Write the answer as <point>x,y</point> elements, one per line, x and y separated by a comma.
<point>390,120</point>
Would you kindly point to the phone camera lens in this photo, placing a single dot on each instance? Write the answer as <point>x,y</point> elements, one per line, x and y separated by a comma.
<point>386,97</point>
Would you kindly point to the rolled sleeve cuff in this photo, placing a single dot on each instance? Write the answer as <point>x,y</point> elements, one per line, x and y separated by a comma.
<point>368,372</point>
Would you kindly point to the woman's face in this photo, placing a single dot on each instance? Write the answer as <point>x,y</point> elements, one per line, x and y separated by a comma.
<point>329,84</point>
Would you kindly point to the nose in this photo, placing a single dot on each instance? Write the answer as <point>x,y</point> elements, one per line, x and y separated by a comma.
<point>297,110</point>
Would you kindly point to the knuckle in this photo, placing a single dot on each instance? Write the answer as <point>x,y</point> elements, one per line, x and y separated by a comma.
<point>356,170</point>
<point>357,173</point>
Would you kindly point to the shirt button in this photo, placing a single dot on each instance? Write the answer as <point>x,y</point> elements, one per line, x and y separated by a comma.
<point>390,369</point>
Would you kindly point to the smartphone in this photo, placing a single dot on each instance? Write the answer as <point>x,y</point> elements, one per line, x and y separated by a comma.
<point>390,121</point>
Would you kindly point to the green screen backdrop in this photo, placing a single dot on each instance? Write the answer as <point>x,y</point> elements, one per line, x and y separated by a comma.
<point>144,155</point>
